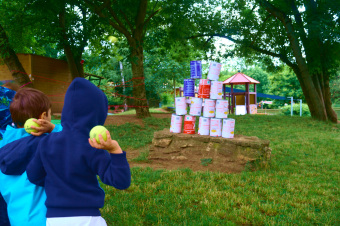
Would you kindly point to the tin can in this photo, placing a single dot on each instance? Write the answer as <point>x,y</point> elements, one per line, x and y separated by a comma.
<point>214,71</point>
<point>189,124</point>
<point>204,126</point>
<point>209,108</point>
<point>189,88</point>
<point>222,109</point>
<point>181,106</point>
<point>216,90</point>
<point>196,106</point>
<point>204,88</point>
<point>215,127</point>
<point>195,69</point>
<point>228,128</point>
<point>176,123</point>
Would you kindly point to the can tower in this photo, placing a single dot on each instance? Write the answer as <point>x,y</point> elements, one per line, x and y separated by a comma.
<point>207,103</point>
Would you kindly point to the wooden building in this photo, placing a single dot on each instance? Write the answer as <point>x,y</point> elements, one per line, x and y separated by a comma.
<point>48,75</point>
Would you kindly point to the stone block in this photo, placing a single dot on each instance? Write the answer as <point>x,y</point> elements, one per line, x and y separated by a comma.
<point>164,142</point>
<point>235,152</point>
<point>165,133</point>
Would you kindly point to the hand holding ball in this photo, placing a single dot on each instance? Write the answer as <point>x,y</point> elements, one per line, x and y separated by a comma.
<point>28,124</point>
<point>95,131</point>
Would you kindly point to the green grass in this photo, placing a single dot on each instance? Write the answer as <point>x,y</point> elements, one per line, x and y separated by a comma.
<point>337,110</point>
<point>301,186</point>
<point>133,111</point>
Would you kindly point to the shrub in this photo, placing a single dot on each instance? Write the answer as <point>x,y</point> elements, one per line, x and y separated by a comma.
<point>115,100</point>
<point>167,98</point>
<point>296,110</point>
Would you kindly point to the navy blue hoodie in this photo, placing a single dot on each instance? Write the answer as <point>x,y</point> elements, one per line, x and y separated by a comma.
<point>68,166</point>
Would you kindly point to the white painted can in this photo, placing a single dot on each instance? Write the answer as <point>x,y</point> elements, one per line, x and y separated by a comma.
<point>215,127</point>
<point>214,71</point>
<point>181,105</point>
<point>196,106</point>
<point>209,108</point>
<point>176,123</point>
<point>222,109</point>
<point>216,90</point>
<point>228,128</point>
<point>204,126</point>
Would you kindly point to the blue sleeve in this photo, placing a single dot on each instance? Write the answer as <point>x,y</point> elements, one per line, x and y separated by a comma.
<point>35,171</point>
<point>57,128</point>
<point>4,221</point>
<point>113,169</point>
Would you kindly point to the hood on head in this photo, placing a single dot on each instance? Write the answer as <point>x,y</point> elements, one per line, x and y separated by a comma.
<point>85,106</point>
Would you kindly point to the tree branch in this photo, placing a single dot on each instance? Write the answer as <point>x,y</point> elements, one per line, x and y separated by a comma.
<point>139,20</point>
<point>298,19</point>
<point>115,17</point>
<point>258,32</point>
<point>286,21</point>
<point>258,49</point>
<point>127,20</point>
<point>85,30</point>
<point>96,10</point>
<point>152,15</point>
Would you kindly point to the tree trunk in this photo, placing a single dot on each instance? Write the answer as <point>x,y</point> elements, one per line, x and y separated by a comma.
<point>73,60</point>
<point>74,65</point>
<point>331,114</point>
<point>138,81</point>
<point>319,103</point>
<point>12,62</point>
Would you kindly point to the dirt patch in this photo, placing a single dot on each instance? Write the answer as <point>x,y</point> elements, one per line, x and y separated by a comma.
<point>195,163</point>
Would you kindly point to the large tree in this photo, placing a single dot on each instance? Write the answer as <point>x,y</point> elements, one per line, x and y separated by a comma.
<point>137,21</point>
<point>303,34</point>
<point>7,43</point>
<point>69,25</point>
<point>9,57</point>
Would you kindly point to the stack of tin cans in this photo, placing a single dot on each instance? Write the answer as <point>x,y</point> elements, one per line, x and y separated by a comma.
<point>213,119</point>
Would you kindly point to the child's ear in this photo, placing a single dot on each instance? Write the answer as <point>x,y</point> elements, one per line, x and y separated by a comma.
<point>43,115</point>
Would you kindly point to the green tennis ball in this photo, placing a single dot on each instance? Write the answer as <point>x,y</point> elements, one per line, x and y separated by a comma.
<point>28,124</point>
<point>113,39</point>
<point>95,131</point>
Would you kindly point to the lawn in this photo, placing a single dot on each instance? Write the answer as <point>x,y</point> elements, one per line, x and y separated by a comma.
<point>301,187</point>
<point>133,111</point>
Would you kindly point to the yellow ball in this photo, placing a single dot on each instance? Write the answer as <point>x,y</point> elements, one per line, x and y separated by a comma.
<point>113,39</point>
<point>28,124</point>
<point>95,131</point>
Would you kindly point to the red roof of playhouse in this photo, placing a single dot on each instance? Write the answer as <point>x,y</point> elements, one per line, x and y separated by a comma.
<point>240,78</point>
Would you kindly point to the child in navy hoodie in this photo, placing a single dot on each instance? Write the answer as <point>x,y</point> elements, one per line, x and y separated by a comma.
<point>67,163</point>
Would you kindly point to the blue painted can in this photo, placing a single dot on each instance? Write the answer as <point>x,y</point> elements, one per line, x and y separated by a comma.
<point>196,69</point>
<point>189,88</point>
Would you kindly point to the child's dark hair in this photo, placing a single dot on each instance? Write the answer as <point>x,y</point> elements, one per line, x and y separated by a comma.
<point>28,103</point>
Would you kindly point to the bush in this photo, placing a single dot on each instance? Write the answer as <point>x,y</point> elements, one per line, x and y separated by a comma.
<point>296,110</point>
<point>167,98</point>
<point>115,100</point>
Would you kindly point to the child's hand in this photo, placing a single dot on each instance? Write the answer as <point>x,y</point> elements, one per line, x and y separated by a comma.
<point>44,127</point>
<point>110,145</point>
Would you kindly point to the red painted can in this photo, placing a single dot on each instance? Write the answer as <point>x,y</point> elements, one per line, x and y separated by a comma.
<point>189,124</point>
<point>204,88</point>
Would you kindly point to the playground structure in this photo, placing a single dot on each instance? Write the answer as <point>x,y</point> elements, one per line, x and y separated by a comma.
<point>243,102</point>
